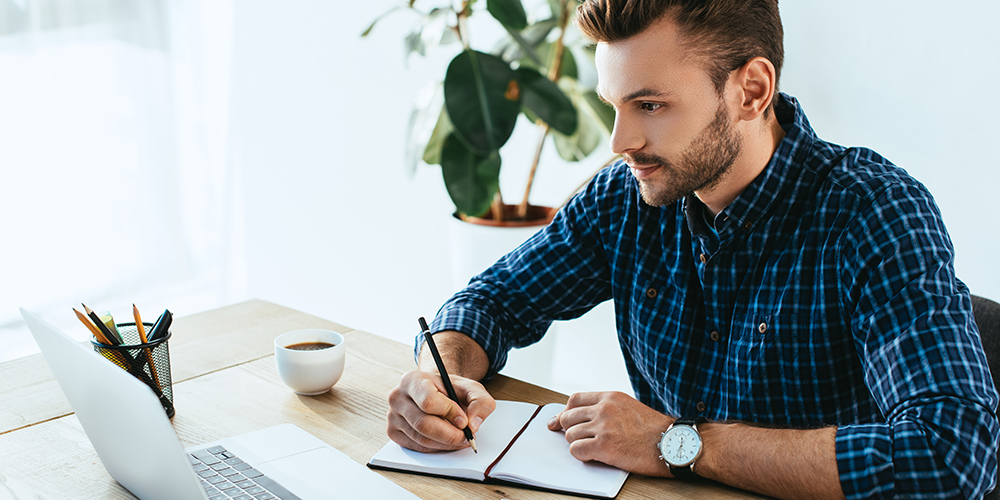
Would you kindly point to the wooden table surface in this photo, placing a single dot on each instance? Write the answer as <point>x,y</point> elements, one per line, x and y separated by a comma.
<point>225,383</point>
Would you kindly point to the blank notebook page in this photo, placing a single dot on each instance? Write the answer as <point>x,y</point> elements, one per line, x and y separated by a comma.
<point>541,453</point>
<point>493,436</point>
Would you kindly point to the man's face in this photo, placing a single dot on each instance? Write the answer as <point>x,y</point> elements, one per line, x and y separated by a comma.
<point>671,125</point>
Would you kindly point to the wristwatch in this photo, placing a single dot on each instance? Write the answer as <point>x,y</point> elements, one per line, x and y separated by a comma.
<point>680,445</point>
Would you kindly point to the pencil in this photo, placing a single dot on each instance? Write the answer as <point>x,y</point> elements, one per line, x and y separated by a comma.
<point>445,379</point>
<point>125,360</point>
<point>138,324</point>
<point>90,326</point>
<point>115,357</point>
<point>112,340</point>
<point>145,350</point>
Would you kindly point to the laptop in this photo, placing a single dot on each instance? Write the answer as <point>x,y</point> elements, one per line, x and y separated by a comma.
<point>126,423</point>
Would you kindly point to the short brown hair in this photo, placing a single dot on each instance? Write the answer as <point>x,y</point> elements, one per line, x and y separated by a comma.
<point>728,33</point>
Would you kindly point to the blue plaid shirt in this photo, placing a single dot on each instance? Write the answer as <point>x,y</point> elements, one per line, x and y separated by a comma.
<point>824,295</point>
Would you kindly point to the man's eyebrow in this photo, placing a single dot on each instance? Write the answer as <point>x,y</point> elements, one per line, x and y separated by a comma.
<point>638,94</point>
<point>646,92</point>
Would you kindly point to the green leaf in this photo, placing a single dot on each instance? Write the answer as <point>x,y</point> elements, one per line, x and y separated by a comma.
<point>522,45</point>
<point>547,101</point>
<point>601,109</point>
<point>428,108</point>
<point>557,9</point>
<point>371,26</point>
<point>472,178</point>
<point>588,133</point>
<point>578,146</point>
<point>435,29</point>
<point>483,98</point>
<point>538,31</point>
<point>443,128</point>
<point>510,13</point>
<point>468,7</point>
<point>432,31</point>
<point>414,43</point>
<point>544,52</point>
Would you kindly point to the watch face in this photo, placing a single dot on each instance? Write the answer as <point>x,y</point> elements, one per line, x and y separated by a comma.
<point>680,445</point>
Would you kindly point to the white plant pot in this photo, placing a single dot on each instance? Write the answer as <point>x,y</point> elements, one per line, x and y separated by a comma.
<point>474,248</point>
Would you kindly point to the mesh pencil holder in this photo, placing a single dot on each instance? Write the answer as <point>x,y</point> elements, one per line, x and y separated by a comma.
<point>149,362</point>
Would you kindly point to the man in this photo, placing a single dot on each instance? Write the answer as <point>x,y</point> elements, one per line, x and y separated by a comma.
<point>798,295</point>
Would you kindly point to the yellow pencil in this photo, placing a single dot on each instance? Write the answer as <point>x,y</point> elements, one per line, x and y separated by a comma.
<point>142,337</point>
<point>90,326</point>
<point>113,356</point>
<point>138,324</point>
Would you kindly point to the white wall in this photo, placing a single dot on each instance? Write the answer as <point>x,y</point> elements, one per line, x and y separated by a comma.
<point>915,81</point>
<point>335,226</point>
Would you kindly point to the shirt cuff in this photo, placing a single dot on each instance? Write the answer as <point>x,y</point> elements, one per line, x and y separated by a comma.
<point>864,460</point>
<point>475,324</point>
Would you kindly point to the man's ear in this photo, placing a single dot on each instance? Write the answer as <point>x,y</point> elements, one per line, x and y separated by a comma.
<point>755,84</point>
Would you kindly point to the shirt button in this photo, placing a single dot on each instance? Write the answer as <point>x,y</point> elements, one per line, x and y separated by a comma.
<point>762,327</point>
<point>704,258</point>
<point>715,336</point>
<point>651,293</point>
<point>701,406</point>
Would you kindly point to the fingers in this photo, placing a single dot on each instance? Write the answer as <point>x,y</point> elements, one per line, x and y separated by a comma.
<point>422,417</point>
<point>579,409</point>
<point>609,427</point>
<point>478,402</point>
<point>428,393</point>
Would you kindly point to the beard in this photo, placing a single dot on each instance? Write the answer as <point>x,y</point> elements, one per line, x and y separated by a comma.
<point>704,163</point>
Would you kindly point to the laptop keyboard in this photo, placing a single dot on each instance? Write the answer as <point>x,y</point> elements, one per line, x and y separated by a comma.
<point>225,477</point>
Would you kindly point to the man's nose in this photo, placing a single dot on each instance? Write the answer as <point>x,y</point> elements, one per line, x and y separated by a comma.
<point>626,136</point>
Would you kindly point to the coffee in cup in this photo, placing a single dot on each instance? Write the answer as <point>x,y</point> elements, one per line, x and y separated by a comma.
<point>309,346</point>
<point>311,361</point>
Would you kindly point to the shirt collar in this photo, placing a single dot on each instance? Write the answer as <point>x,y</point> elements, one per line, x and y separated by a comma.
<point>768,189</point>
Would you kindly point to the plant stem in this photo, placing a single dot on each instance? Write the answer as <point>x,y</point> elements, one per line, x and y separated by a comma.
<point>497,207</point>
<point>555,71</point>
<point>463,28</point>
<point>522,209</point>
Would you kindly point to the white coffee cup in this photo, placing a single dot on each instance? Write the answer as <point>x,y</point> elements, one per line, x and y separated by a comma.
<point>309,372</point>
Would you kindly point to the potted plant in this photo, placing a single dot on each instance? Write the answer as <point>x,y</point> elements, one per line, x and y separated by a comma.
<point>468,116</point>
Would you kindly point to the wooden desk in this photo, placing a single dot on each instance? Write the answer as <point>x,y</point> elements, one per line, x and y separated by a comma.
<point>225,383</point>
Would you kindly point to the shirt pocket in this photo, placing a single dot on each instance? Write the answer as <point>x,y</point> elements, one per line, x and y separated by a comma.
<point>658,321</point>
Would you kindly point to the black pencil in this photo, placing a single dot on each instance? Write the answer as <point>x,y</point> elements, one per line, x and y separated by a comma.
<point>101,326</point>
<point>445,379</point>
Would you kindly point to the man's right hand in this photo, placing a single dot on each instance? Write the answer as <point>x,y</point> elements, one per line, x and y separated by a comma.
<point>423,418</point>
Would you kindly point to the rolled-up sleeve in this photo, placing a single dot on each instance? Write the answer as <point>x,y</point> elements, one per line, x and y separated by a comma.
<point>922,357</point>
<point>559,273</point>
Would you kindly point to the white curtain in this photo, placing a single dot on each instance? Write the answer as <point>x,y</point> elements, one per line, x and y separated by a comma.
<point>114,186</point>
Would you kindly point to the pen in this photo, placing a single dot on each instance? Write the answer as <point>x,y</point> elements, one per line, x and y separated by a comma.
<point>161,326</point>
<point>444,378</point>
<point>122,358</point>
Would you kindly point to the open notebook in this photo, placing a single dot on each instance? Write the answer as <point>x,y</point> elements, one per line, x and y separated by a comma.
<point>537,457</point>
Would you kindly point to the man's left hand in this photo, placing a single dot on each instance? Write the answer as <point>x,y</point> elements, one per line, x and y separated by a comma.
<point>614,428</point>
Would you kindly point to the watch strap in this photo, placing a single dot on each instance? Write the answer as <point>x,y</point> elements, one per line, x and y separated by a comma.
<point>687,472</point>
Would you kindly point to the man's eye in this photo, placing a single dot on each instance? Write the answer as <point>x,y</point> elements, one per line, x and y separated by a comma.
<point>650,106</point>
